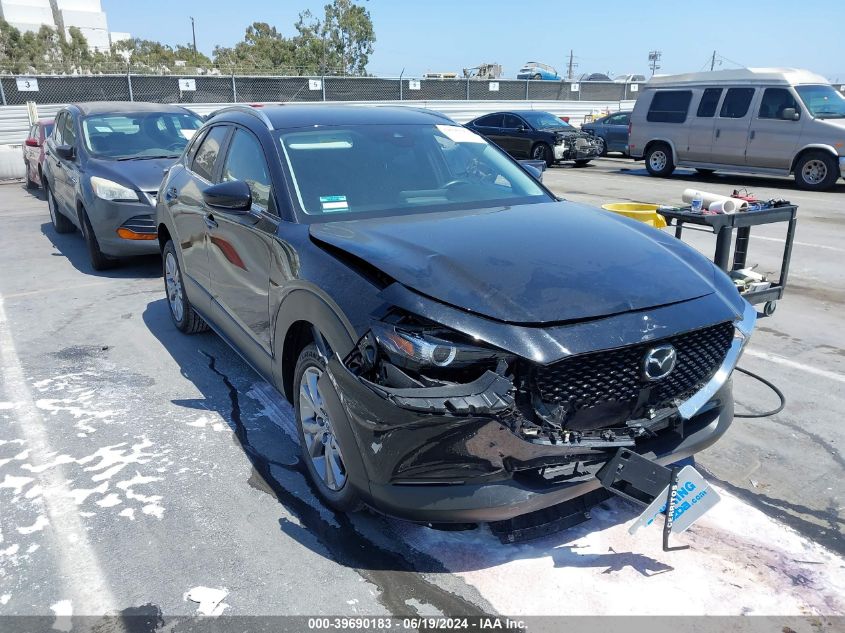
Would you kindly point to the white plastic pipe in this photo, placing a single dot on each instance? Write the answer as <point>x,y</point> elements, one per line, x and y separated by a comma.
<point>715,202</point>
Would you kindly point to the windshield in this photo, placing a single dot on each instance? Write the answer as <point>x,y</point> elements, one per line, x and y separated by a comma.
<point>380,170</point>
<point>823,102</point>
<point>48,129</point>
<point>544,120</point>
<point>143,135</point>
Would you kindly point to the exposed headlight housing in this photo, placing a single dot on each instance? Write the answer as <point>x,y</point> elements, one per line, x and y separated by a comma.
<point>415,349</point>
<point>110,190</point>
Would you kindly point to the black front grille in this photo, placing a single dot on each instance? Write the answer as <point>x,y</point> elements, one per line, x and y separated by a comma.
<point>604,388</point>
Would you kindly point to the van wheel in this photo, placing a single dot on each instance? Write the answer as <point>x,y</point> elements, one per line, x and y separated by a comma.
<point>816,171</point>
<point>659,160</point>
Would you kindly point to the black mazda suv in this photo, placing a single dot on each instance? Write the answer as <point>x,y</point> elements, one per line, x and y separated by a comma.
<point>459,344</point>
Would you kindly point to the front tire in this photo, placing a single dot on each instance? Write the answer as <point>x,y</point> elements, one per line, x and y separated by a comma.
<point>659,160</point>
<point>602,145</point>
<point>321,451</point>
<point>582,162</point>
<point>183,314</point>
<point>60,223</point>
<point>99,261</point>
<point>541,151</point>
<point>816,171</point>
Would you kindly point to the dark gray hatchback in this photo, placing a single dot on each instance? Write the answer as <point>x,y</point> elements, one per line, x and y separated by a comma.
<point>103,164</point>
<point>458,344</point>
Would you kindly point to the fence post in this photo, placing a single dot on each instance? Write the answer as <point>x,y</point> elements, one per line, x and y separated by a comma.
<point>526,89</point>
<point>234,88</point>
<point>2,92</point>
<point>401,93</point>
<point>467,95</point>
<point>129,81</point>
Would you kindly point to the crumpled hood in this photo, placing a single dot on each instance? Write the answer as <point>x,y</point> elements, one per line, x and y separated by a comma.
<point>145,175</point>
<point>535,263</point>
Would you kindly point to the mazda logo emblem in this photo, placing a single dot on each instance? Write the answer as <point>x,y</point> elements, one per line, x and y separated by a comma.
<point>659,362</point>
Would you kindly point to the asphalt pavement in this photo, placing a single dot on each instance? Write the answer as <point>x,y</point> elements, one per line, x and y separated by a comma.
<point>141,469</point>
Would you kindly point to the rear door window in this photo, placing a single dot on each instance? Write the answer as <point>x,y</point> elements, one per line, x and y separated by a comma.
<point>512,122</point>
<point>619,119</point>
<point>709,102</point>
<point>775,101</point>
<point>208,151</point>
<point>491,120</point>
<point>669,106</point>
<point>736,103</point>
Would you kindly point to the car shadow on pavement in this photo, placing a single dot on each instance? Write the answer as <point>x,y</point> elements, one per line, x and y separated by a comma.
<point>72,246</point>
<point>38,194</point>
<point>736,181</point>
<point>262,424</point>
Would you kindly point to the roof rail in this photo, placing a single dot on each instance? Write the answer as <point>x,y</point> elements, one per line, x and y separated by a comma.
<point>246,109</point>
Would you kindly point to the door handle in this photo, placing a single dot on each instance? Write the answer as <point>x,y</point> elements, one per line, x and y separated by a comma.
<point>170,194</point>
<point>752,134</point>
<point>718,132</point>
<point>210,222</point>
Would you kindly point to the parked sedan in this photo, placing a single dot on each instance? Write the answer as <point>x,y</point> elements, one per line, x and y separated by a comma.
<point>538,135</point>
<point>104,163</point>
<point>33,152</point>
<point>458,344</point>
<point>610,132</point>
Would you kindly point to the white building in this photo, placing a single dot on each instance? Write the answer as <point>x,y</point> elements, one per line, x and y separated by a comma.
<point>86,15</point>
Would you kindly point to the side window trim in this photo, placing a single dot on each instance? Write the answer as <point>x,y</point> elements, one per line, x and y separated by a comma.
<point>224,146</point>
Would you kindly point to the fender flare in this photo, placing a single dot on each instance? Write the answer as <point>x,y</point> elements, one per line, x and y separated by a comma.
<point>309,305</point>
<point>813,146</point>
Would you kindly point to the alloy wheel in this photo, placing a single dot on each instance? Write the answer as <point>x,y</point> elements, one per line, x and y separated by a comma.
<point>539,153</point>
<point>173,285</point>
<point>321,445</point>
<point>814,172</point>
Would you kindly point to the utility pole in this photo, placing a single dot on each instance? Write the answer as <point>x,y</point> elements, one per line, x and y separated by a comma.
<point>654,61</point>
<point>572,65</point>
<point>713,61</point>
<point>194,33</point>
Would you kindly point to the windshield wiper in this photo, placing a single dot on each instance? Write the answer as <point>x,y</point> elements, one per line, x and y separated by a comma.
<point>149,157</point>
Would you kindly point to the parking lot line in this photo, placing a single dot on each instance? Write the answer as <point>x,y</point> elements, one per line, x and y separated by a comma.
<point>77,561</point>
<point>780,360</point>
<point>782,241</point>
<point>29,293</point>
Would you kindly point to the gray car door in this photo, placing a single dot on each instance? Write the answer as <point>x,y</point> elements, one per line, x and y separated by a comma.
<point>616,134</point>
<point>730,138</point>
<point>774,138</point>
<point>59,166</point>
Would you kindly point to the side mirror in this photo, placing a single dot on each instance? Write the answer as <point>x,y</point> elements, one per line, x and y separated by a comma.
<point>790,114</point>
<point>32,142</point>
<point>535,172</point>
<point>534,167</point>
<point>66,151</point>
<point>233,195</point>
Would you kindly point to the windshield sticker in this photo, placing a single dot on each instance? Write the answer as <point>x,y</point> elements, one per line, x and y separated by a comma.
<point>188,134</point>
<point>460,134</point>
<point>330,204</point>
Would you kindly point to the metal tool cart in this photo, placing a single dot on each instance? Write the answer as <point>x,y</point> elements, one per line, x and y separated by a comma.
<point>723,225</point>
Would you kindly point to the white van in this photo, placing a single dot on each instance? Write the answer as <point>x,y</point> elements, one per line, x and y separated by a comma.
<point>775,121</point>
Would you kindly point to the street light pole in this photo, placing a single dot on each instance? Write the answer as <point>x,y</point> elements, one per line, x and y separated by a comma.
<point>194,33</point>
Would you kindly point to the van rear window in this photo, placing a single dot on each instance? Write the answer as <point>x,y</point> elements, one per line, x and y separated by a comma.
<point>735,105</point>
<point>669,106</point>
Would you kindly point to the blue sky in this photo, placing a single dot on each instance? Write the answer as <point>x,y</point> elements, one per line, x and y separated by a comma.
<point>447,35</point>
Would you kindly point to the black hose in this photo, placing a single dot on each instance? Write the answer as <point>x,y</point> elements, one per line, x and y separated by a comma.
<point>777,391</point>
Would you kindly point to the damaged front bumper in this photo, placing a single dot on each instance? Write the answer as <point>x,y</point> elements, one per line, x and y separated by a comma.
<point>576,148</point>
<point>451,453</point>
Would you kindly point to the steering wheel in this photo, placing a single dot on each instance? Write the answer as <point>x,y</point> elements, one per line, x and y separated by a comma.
<point>456,183</point>
<point>176,145</point>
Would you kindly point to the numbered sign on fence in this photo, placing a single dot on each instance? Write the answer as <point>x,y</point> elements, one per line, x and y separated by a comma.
<point>188,85</point>
<point>494,86</point>
<point>574,88</point>
<point>27,84</point>
<point>635,87</point>
<point>315,84</point>
<point>413,84</point>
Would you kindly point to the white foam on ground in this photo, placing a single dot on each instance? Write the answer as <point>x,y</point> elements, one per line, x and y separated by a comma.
<point>63,611</point>
<point>40,523</point>
<point>740,562</point>
<point>210,600</point>
<point>4,599</point>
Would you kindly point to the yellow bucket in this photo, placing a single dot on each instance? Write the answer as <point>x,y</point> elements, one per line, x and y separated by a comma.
<point>643,212</point>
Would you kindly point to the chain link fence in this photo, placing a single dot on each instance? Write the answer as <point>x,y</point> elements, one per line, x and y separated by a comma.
<point>265,88</point>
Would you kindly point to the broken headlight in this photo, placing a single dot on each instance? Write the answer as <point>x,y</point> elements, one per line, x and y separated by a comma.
<point>416,349</point>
